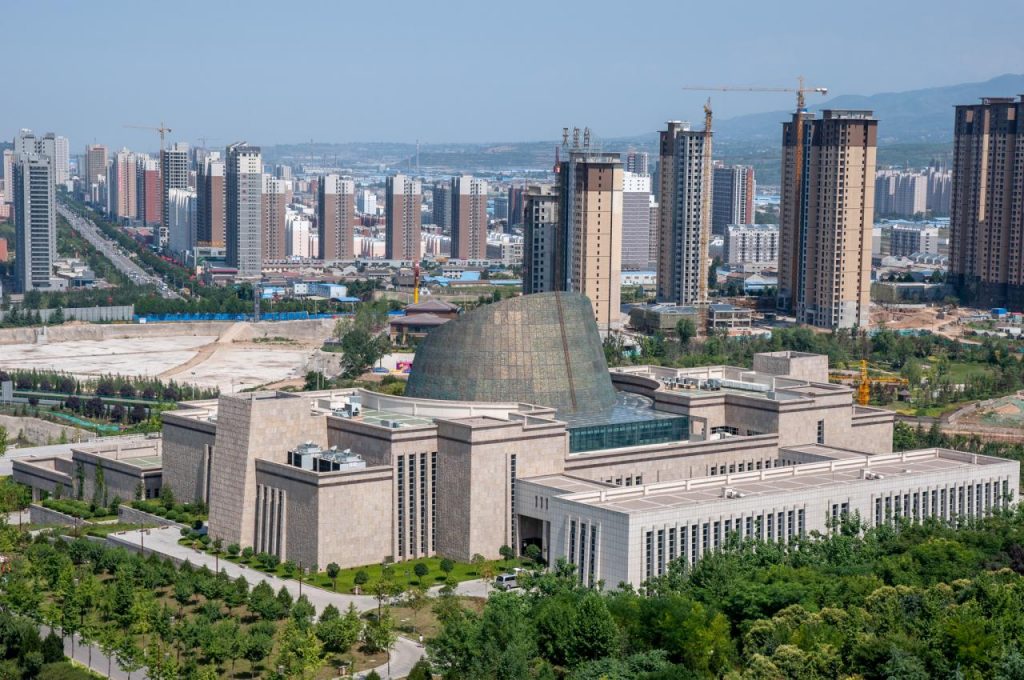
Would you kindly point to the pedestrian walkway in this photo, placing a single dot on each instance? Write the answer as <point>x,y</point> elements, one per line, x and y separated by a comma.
<point>164,541</point>
<point>404,656</point>
<point>92,658</point>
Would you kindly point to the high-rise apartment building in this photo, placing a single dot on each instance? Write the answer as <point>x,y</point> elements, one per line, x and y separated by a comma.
<point>149,191</point>
<point>181,210</point>
<point>752,244</point>
<point>500,210</point>
<point>367,202</point>
<point>402,228</point>
<point>35,220</point>
<point>50,145</point>
<point>540,232</point>
<point>940,191</point>
<point>95,165</point>
<point>441,211</point>
<point>243,186</point>
<point>826,216</point>
<point>904,240</point>
<point>589,245</point>
<point>210,229</point>
<point>516,196</point>
<point>275,200</point>
<point>123,186</point>
<point>469,218</point>
<point>732,197</point>
<point>683,183</point>
<point>900,194</point>
<point>336,216</point>
<point>637,162</point>
<point>174,175</point>
<point>986,240</point>
<point>637,229</point>
<point>8,162</point>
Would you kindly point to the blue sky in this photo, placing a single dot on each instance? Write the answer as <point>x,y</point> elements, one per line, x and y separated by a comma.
<point>453,71</point>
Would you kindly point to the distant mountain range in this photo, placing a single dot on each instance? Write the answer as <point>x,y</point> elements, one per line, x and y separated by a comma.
<point>914,127</point>
<point>911,117</point>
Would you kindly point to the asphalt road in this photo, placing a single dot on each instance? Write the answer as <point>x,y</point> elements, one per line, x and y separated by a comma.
<point>113,252</point>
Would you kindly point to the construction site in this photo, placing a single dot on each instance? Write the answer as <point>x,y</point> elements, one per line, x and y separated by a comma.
<point>230,356</point>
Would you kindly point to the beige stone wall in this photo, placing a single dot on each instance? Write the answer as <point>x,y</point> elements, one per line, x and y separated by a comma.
<point>355,524</point>
<point>475,475</point>
<point>185,445</point>
<point>802,366</point>
<point>262,425</point>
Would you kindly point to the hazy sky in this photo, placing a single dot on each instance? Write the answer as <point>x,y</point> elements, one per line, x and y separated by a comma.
<point>274,72</point>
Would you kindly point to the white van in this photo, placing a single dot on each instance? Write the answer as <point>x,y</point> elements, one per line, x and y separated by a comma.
<point>505,582</point>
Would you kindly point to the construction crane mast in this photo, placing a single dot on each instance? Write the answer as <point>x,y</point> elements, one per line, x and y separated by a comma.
<point>162,129</point>
<point>705,209</point>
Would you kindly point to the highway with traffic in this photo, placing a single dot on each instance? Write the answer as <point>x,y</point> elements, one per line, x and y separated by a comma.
<point>113,252</point>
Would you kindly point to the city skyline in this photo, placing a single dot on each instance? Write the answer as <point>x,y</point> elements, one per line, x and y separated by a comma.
<point>647,82</point>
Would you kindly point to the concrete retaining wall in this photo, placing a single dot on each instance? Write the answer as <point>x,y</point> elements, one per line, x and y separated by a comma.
<point>40,432</point>
<point>312,330</point>
<point>129,515</point>
<point>37,514</point>
<point>90,314</point>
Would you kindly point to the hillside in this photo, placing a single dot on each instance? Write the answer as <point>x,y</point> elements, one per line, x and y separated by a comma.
<point>911,117</point>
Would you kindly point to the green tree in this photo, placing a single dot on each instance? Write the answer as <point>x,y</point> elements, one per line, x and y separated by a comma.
<point>300,653</point>
<point>421,570</point>
<point>447,566</point>
<point>332,573</point>
<point>339,633</point>
<point>256,646</point>
<point>686,330</point>
<point>379,634</point>
<point>506,553</point>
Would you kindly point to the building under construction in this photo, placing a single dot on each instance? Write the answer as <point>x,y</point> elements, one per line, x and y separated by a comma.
<point>684,215</point>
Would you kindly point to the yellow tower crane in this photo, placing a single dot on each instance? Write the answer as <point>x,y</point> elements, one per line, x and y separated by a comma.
<point>864,387</point>
<point>162,129</point>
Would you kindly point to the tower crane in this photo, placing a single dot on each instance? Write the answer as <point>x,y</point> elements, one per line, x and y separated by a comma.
<point>801,91</point>
<point>162,129</point>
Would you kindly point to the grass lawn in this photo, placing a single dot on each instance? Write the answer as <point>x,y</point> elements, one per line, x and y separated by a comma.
<point>403,572</point>
<point>405,576</point>
<point>103,530</point>
<point>960,370</point>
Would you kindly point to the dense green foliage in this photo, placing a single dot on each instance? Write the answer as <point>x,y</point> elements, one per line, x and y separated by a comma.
<point>362,339</point>
<point>913,601</point>
<point>940,371</point>
<point>178,622</point>
<point>905,438</point>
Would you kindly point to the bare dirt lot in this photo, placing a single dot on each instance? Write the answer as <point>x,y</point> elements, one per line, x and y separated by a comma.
<point>231,356</point>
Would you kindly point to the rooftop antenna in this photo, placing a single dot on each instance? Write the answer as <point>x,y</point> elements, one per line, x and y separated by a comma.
<point>575,138</point>
<point>565,136</point>
<point>586,138</point>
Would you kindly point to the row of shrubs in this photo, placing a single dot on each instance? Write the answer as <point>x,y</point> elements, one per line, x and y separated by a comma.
<point>184,513</point>
<point>265,561</point>
<point>81,509</point>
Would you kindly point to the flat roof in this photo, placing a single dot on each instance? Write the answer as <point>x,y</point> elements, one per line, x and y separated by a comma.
<point>374,417</point>
<point>804,477</point>
<point>568,484</point>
